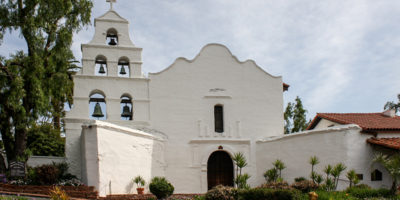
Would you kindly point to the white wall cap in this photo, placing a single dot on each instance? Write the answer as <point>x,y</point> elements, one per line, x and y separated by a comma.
<point>121,129</point>
<point>329,130</point>
<point>207,50</point>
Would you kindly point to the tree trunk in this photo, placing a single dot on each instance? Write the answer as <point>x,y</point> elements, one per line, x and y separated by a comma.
<point>20,143</point>
<point>394,187</point>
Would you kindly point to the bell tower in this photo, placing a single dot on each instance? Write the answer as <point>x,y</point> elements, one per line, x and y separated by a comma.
<point>110,86</point>
<point>111,51</point>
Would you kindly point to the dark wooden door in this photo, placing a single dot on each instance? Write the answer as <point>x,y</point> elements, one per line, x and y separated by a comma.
<point>219,169</point>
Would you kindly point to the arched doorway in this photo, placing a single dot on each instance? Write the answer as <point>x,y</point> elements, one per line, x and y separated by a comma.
<point>219,169</point>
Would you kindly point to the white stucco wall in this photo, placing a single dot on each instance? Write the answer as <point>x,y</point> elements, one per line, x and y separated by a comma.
<point>183,97</point>
<point>324,124</point>
<point>114,155</point>
<point>34,161</point>
<point>333,145</point>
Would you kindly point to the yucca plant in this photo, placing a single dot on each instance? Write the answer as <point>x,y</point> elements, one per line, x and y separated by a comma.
<point>313,161</point>
<point>336,171</point>
<point>140,182</point>
<point>353,178</point>
<point>279,165</point>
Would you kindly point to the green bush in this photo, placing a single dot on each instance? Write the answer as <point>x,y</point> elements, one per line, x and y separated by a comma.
<point>51,174</point>
<point>283,185</point>
<point>305,186</point>
<point>221,192</point>
<point>367,192</point>
<point>334,195</point>
<point>270,194</point>
<point>160,187</point>
<point>299,179</point>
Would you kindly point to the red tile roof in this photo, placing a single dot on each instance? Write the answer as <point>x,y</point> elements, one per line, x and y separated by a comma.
<point>392,143</point>
<point>367,121</point>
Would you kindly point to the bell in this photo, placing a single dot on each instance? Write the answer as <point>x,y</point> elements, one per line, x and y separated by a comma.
<point>112,42</point>
<point>126,112</point>
<point>97,111</point>
<point>101,70</point>
<point>122,72</point>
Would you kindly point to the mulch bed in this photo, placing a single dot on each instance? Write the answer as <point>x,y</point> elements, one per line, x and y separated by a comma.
<point>86,192</point>
<point>147,196</point>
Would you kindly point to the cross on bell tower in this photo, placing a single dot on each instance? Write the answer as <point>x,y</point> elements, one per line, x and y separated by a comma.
<point>111,3</point>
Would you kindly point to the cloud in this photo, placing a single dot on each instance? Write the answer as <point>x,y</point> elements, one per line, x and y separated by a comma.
<point>337,55</point>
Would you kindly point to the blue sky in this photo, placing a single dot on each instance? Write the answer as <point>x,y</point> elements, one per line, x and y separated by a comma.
<point>337,55</point>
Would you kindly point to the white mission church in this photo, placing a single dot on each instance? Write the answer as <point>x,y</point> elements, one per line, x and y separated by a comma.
<point>186,121</point>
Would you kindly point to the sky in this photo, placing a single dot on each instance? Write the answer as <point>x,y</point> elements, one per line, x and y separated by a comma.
<point>337,55</point>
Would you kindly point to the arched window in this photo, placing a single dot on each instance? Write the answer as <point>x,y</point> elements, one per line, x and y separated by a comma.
<point>100,68</point>
<point>123,67</point>
<point>97,106</point>
<point>126,108</point>
<point>219,118</point>
<point>112,37</point>
<point>376,175</point>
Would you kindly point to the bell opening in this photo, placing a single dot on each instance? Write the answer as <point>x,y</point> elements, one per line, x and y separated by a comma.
<point>122,72</point>
<point>97,111</point>
<point>101,69</point>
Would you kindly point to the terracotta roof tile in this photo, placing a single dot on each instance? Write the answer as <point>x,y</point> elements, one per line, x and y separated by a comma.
<point>393,143</point>
<point>367,121</point>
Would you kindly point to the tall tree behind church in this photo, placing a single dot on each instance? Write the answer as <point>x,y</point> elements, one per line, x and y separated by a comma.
<point>295,117</point>
<point>35,84</point>
<point>392,105</point>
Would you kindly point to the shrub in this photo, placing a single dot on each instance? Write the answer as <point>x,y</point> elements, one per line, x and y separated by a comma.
<point>305,186</point>
<point>58,194</point>
<point>298,179</point>
<point>266,194</point>
<point>362,186</point>
<point>271,175</point>
<point>46,175</point>
<point>160,187</point>
<point>324,195</point>
<point>221,192</point>
<point>51,174</point>
<point>276,185</point>
<point>367,192</point>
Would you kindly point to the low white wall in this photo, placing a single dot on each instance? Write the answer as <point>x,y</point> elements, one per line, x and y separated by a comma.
<point>34,161</point>
<point>333,145</point>
<point>115,155</point>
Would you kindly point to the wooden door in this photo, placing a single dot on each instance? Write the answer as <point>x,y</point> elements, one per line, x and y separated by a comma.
<point>219,169</point>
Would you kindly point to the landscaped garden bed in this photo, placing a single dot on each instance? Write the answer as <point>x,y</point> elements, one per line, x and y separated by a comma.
<point>82,191</point>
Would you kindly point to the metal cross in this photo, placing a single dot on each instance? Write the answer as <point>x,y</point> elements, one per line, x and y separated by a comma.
<point>111,3</point>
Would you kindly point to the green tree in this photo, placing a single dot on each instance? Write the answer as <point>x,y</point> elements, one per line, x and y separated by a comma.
<point>295,117</point>
<point>299,117</point>
<point>392,105</point>
<point>288,115</point>
<point>36,84</point>
<point>45,140</point>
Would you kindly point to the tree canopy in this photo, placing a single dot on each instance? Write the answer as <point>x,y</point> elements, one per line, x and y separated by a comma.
<point>393,105</point>
<point>34,85</point>
<point>295,117</point>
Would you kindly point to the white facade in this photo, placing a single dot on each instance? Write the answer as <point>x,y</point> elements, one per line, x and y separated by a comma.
<point>172,132</point>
